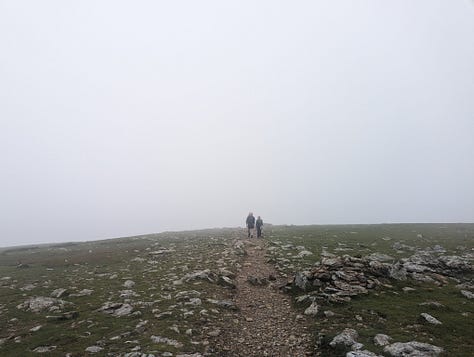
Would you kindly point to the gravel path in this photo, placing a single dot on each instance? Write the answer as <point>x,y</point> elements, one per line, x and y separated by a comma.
<point>266,324</point>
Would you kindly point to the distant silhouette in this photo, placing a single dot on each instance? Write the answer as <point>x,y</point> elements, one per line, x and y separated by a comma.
<point>259,225</point>
<point>250,224</point>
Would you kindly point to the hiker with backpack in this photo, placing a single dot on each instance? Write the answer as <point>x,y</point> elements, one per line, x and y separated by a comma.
<point>250,224</point>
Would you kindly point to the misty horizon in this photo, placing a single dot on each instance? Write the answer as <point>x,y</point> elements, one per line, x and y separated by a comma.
<point>242,227</point>
<point>119,120</point>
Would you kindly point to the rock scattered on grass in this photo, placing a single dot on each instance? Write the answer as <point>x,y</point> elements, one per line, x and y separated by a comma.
<point>226,304</point>
<point>116,309</point>
<point>346,338</point>
<point>167,341</point>
<point>28,287</point>
<point>41,303</point>
<point>129,284</point>
<point>430,319</point>
<point>329,313</point>
<point>83,292</point>
<point>304,253</point>
<point>44,349</point>
<point>382,340</point>
<point>36,328</point>
<point>412,349</point>
<point>434,304</point>
<point>93,349</point>
<point>59,293</point>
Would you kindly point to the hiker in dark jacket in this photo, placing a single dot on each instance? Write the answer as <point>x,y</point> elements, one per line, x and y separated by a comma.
<point>250,224</point>
<point>259,225</point>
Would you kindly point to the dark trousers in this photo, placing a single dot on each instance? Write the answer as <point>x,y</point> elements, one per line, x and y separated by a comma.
<point>250,231</point>
<point>259,232</point>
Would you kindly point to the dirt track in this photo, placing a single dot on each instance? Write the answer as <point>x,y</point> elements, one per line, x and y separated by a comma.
<point>266,324</point>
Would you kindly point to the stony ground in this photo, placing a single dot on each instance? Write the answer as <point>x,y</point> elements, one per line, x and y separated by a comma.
<point>353,291</point>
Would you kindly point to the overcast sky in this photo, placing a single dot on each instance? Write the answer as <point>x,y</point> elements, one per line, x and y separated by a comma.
<point>121,118</point>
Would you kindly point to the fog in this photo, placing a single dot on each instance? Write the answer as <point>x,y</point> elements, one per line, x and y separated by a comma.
<point>122,118</point>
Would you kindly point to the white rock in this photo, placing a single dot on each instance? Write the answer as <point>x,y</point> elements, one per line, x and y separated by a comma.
<point>302,298</point>
<point>44,349</point>
<point>94,349</point>
<point>347,338</point>
<point>36,328</point>
<point>40,303</point>
<point>186,294</point>
<point>412,349</point>
<point>304,253</point>
<point>167,341</point>
<point>364,353</point>
<point>129,284</point>
<point>382,340</point>
<point>59,293</point>
<point>329,313</point>
<point>140,328</point>
<point>312,310</point>
<point>28,287</point>
<point>127,294</point>
<point>161,251</point>
<point>225,272</point>
<point>357,346</point>
<point>175,329</point>
<point>430,319</point>
<point>116,309</point>
<point>202,274</point>
<point>83,292</point>
<point>194,302</point>
<point>226,281</point>
<point>467,294</point>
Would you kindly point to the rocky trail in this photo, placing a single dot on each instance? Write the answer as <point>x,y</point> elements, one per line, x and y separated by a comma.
<point>266,324</point>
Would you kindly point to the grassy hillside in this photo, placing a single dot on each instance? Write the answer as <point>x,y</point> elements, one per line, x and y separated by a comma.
<point>178,294</point>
